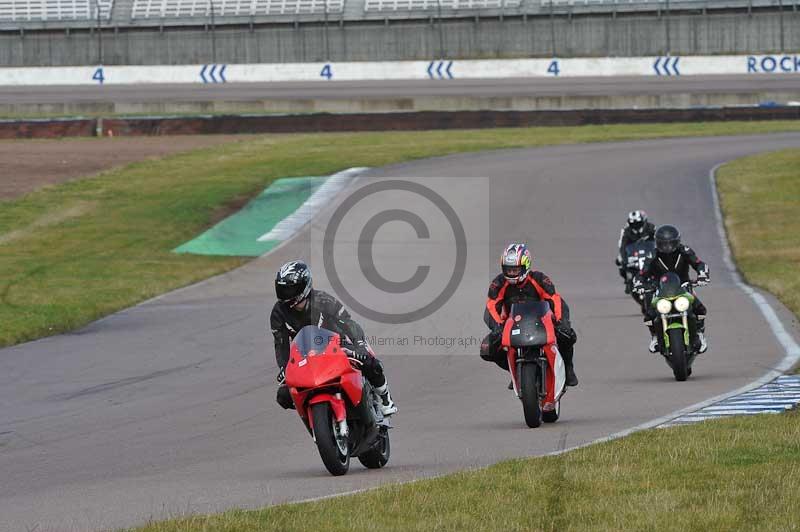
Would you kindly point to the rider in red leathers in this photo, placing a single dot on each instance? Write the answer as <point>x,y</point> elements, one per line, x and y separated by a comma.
<point>517,283</point>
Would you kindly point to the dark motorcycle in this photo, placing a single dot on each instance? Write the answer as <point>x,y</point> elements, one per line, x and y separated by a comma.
<point>638,256</point>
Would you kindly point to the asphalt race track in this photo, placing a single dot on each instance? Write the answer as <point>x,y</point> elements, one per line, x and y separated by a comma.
<point>242,92</point>
<point>168,407</point>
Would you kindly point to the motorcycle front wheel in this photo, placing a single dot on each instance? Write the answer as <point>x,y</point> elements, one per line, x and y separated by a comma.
<point>677,354</point>
<point>531,407</point>
<point>333,449</point>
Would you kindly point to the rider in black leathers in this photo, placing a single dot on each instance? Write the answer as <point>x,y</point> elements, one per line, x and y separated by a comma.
<point>672,256</point>
<point>299,305</point>
<point>637,228</point>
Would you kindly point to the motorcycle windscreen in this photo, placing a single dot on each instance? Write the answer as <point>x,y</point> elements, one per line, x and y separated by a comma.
<point>641,249</point>
<point>669,285</point>
<point>313,340</point>
<point>528,328</point>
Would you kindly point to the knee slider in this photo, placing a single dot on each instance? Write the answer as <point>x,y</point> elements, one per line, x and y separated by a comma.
<point>486,348</point>
<point>284,398</point>
<point>377,366</point>
<point>567,337</point>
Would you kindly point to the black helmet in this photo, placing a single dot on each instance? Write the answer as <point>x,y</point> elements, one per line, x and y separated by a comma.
<point>668,238</point>
<point>293,282</point>
<point>636,221</point>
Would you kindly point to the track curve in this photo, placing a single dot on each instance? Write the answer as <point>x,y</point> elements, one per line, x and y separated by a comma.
<point>168,407</point>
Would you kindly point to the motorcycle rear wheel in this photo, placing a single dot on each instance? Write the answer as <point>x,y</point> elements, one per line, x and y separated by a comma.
<point>531,407</point>
<point>677,354</point>
<point>336,462</point>
<point>378,456</point>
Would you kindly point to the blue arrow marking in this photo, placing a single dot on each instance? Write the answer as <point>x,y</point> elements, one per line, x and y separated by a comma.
<point>430,70</point>
<point>667,66</point>
<point>449,66</point>
<point>211,73</point>
<point>203,74</point>
<point>675,66</point>
<point>655,66</point>
<point>221,73</point>
<point>439,69</point>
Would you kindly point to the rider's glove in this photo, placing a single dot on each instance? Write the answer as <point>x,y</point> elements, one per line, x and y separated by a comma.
<point>498,329</point>
<point>281,378</point>
<point>703,278</point>
<point>639,287</point>
<point>618,262</point>
<point>566,332</point>
<point>361,352</point>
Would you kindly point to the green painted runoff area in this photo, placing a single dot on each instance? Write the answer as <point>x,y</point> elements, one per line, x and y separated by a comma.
<point>237,235</point>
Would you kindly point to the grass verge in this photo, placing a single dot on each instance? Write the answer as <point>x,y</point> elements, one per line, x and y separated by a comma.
<point>733,474</point>
<point>73,253</point>
<point>760,199</point>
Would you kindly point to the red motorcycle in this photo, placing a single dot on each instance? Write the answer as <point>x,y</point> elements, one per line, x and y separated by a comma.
<point>537,369</point>
<point>338,405</point>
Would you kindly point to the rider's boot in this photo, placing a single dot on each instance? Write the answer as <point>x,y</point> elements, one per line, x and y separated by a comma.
<point>568,355</point>
<point>387,405</point>
<point>703,343</point>
<point>653,347</point>
<point>701,334</point>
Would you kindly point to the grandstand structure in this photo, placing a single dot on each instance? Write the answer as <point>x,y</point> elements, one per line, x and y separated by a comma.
<point>32,11</point>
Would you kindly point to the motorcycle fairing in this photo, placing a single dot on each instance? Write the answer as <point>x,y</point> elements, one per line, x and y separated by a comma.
<point>338,407</point>
<point>530,324</point>
<point>311,374</point>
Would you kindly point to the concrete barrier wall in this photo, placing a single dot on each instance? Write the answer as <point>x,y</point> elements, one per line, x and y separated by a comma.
<point>594,35</point>
<point>443,70</point>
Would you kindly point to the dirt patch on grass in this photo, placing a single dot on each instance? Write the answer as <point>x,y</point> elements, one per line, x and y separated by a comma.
<point>32,164</point>
<point>51,218</point>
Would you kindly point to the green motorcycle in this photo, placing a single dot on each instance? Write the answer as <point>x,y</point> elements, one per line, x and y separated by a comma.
<point>675,324</point>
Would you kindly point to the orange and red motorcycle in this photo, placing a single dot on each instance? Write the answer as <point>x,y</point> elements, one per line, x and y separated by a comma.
<point>537,369</point>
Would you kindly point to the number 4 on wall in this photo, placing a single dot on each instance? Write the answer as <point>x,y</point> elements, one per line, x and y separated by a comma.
<point>553,68</point>
<point>326,72</point>
<point>98,76</point>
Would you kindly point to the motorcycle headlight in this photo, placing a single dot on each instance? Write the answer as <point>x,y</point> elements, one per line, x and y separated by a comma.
<point>682,304</point>
<point>664,306</point>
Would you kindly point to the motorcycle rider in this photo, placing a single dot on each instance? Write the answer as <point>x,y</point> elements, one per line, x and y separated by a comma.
<point>299,305</point>
<point>637,228</point>
<point>518,282</point>
<point>672,256</point>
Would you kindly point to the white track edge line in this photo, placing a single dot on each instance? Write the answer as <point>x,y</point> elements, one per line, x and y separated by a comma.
<point>291,224</point>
